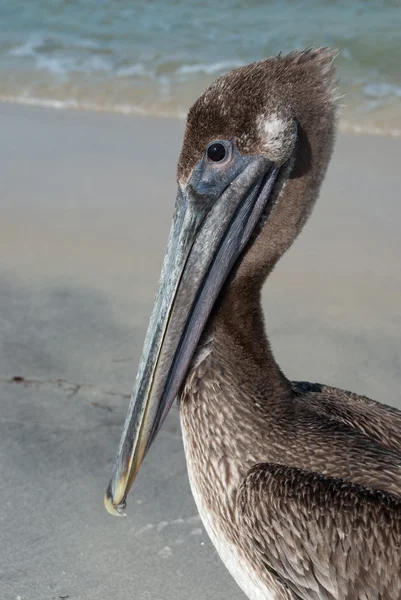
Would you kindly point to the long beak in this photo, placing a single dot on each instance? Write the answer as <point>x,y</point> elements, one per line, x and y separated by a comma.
<point>208,235</point>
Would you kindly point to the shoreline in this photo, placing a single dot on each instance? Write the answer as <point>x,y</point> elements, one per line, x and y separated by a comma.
<point>344,126</point>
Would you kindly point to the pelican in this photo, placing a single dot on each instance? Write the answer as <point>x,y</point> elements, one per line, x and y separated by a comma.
<point>298,484</point>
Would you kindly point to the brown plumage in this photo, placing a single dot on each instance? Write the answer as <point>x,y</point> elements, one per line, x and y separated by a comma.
<point>298,484</point>
<point>318,516</point>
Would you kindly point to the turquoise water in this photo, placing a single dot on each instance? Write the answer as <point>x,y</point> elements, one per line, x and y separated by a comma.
<point>156,57</point>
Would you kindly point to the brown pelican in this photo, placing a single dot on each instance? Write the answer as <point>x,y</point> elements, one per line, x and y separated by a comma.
<point>298,484</point>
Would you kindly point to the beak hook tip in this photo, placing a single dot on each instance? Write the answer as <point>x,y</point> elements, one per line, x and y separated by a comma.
<point>111,507</point>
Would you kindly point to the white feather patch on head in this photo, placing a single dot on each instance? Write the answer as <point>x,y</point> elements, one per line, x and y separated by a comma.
<point>277,135</point>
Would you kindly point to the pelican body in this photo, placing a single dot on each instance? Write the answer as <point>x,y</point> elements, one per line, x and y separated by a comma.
<point>298,484</point>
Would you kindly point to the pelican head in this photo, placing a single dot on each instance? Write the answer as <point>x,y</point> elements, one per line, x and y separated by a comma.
<point>256,148</point>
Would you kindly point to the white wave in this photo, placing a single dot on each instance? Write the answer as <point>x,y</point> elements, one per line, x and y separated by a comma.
<point>53,64</point>
<point>62,65</point>
<point>58,63</point>
<point>72,103</point>
<point>45,102</point>
<point>209,68</point>
<point>381,90</point>
<point>95,63</point>
<point>128,71</point>
<point>28,48</point>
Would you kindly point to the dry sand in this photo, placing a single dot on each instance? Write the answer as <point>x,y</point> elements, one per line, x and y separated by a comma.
<point>86,202</point>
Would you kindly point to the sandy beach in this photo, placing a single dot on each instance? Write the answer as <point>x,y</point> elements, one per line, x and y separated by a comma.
<point>85,208</point>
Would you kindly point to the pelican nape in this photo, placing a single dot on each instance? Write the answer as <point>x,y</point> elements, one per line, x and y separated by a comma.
<point>298,484</point>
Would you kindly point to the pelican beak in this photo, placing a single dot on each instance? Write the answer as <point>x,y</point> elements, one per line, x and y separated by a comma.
<point>216,212</point>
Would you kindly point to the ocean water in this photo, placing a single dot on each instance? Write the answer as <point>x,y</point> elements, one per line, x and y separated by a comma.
<point>155,57</point>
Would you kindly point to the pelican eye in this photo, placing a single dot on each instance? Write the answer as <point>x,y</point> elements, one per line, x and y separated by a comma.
<point>216,152</point>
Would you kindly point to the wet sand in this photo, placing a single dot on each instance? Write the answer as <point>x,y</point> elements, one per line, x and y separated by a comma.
<point>85,209</point>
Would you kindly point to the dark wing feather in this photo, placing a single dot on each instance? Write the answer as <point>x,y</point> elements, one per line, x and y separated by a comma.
<point>379,421</point>
<point>324,538</point>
